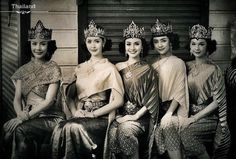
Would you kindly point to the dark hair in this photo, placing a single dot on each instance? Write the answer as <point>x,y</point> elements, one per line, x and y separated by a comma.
<point>211,45</point>
<point>52,47</point>
<point>144,44</point>
<point>233,63</point>
<point>173,37</point>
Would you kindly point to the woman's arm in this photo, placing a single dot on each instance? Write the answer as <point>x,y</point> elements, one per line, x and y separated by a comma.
<point>71,105</point>
<point>206,111</point>
<point>203,113</point>
<point>134,117</point>
<point>166,119</point>
<point>174,104</point>
<point>114,104</point>
<point>18,98</point>
<point>48,101</point>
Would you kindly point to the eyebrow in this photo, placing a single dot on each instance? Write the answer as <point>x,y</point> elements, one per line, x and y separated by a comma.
<point>164,38</point>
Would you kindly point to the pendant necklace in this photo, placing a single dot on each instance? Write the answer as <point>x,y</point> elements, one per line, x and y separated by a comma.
<point>90,66</point>
<point>129,73</point>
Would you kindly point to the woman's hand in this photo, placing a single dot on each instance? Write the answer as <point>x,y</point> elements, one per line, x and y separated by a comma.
<point>89,115</point>
<point>187,122</point>
<point>166,120</point>
<point>126,118</point>
<point>79,113</point>
<point>23,115</point>
<point>12,124</point>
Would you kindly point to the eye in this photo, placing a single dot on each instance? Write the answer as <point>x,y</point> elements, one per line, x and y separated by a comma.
<point>34,43</point>
<point>137,43</point>
<point>163,40</point>
<point>89,41</point>
<point>193,43</point>
<point>43,43</point>
<point>128,44</point>
<point>97,41</point>
<point>155,41</point>
<point>202,44</point>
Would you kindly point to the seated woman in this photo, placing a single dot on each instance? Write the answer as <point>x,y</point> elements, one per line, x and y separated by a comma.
<point>98,92</point>
<point>37,84</point>
<point>139,113</point>
<point>207,122</point>
<point>172,89</point>
<point>230,82</point>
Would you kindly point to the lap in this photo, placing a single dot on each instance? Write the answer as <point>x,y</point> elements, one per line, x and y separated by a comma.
<point>204,129</point>
<point>37,128</point>
<point>94,128</point>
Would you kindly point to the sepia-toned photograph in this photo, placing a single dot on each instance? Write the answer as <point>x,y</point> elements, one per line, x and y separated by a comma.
<point>117,79</point>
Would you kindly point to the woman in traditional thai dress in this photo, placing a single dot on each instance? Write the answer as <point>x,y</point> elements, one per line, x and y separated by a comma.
<point>206,128</point>
<point>98,92</point>
<point>173,90</point>
<point>139,113</point>
<point>230,81</point>
<point>36,84</point>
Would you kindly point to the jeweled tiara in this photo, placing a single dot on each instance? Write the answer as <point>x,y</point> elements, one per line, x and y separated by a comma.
<point>93,30</point>
<point>200,32</point>
<point>159,29</point>
<point>39,31</point>
<point>133,31</point>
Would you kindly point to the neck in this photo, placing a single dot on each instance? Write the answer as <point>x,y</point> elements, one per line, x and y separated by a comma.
<point>96,58</point>
<point>39,61</point>
<point>168,54</point>
<point>132,60</point>
<point>201,60</point>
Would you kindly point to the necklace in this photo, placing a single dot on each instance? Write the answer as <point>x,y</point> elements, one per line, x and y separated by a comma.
<point>129,74</point>
<point>196,69</point>
<point>90,65</point>
<point>160,62</point>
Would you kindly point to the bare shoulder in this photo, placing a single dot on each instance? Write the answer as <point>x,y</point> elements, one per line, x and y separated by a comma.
<point>121,65</point>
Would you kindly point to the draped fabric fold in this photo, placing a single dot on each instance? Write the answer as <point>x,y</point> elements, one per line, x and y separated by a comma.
<point>206,83</point>
<point>85,137</point>
<point>140,90</point>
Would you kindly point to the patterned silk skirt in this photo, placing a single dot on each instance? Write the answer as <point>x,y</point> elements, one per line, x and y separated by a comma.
<point>167,138</point>
<point>125,137</point>
<point>79,138</point>
<point>199,136</point>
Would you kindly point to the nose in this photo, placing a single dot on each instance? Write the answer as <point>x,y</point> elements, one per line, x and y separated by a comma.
<point>197,47</point>
<point>132,47</point>
<point>38,47</point>
<point>159,44</point>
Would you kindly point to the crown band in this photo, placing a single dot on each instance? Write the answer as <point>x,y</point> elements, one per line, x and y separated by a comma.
<point>40,32</point>
<point>93,30</point>
<point>200,32</point>
<point>133,31</point>
<point>159,29</point>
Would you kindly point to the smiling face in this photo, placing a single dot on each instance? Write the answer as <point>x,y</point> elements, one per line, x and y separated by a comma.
<point>133,47</point>
<point>162,44</point>
<point>94,45</point>
<point>198,47</point>
<point>39,48</point>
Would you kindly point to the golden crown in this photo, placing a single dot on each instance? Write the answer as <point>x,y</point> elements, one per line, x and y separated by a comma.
<point>200,32</point>
<point>40,32</point>
<point>159,29</point>
<point>133,31</point>
<point>93,30</point>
